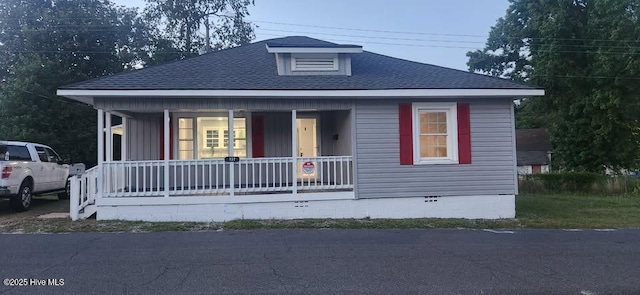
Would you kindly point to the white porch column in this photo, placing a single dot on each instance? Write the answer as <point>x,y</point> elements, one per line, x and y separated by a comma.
<point>100,150</point>
<point>166,152</point>
<point>100,136</point>
<point>123,140</point>
<point>294,151</point>
<point>108,138</point>
<point>232,174</point>
<point>108,153</point>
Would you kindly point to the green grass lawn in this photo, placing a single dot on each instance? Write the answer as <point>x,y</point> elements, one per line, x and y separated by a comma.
<point>578,211</point>
<point>532,211</point>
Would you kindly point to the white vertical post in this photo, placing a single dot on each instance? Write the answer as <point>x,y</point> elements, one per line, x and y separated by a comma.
<point>75,196</point>
<point>123,140</point>
<point>108,152</point>
<point>122,172</point>
<point>108,138</point>
<point>231,139</point>
<point>100,150</point>
<point>354,151</point>
<point>166,152</point>
<point>249,134</point>
<point>294,151</point>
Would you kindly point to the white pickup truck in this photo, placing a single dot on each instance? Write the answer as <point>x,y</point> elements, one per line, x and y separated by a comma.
<point>30,168</point>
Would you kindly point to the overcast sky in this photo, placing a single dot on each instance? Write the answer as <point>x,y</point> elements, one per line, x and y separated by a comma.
<point>438,32</point>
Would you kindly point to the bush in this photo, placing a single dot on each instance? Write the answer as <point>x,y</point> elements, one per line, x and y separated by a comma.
<point>571,181</point>
<point>579,182</point>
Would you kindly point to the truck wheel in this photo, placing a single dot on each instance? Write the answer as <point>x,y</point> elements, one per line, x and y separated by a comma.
<point>67,191</point>
<point>22,201</point>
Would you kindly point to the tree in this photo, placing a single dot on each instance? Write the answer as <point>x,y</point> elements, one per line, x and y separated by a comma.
<point>585,54</point>
<point>183,21</point>
<point>48,43</point>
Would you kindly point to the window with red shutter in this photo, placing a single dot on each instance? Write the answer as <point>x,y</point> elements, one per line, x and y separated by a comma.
<point>434,133</point>
<point>406,134</point>
<point>464,134</point>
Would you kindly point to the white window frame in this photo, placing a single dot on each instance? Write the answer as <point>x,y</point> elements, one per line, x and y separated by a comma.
<point>177,138</point>
<point>223,138</point>
<point>296,56</point>
<point>215,139</point>
<point>196,145</point>
<point>452,132</point>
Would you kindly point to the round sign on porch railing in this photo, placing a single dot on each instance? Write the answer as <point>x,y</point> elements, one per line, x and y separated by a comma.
<point>308,167</point>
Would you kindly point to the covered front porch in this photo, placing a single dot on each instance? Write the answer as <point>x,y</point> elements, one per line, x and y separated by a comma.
<point>219,177</point>
<point>190,157</point>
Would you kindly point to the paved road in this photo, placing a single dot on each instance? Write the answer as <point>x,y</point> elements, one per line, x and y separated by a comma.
<point>326,262</point>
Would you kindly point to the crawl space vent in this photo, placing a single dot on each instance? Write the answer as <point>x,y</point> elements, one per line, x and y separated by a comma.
<point>301,204</point>
<point>430,199</point>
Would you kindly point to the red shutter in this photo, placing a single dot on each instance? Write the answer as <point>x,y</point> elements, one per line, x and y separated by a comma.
<point>406,134</point>
<point>464,134</point>
<point>257,136</point>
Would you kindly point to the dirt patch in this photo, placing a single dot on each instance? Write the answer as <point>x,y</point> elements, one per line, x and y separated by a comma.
<point>40,205</point>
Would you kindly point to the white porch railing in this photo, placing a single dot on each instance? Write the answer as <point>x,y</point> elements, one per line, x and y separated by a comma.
<point>198,177</point>
<point>213,177</point>
<point>329,173</point>
<point>83,190</point>
<point>264,175</point>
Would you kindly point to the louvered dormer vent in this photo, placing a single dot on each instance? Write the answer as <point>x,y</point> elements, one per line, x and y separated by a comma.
<point>306,62</point>
<point>317,58</point>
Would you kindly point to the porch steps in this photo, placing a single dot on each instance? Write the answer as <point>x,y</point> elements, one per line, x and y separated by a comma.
<point>87,211</point>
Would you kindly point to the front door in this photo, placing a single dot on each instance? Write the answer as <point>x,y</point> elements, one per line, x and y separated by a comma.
<point>307,146</point>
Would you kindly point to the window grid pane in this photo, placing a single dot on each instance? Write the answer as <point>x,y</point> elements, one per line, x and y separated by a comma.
<point>433,134</point>
<point>211,138</point>
<point>212,135</point>
<point>185,138</point>
<point>236,141</point>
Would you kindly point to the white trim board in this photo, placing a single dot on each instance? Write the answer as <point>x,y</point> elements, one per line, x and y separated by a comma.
<point>451,109</point>
<point>314,49</point>
<point>365,94</point>
<point>238,199</point>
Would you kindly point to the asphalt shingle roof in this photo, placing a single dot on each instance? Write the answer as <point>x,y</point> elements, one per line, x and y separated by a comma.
<point>251,67</point>
<point>532,158</point>
<point>534,139</point>
<point>532,146</point>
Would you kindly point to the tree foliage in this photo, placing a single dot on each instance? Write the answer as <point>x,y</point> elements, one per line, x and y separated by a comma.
<point>183,22</point>
<point>45,44</point>
<point>585,54</point>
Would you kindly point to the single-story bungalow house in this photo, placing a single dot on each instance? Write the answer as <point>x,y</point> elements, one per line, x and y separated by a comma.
<point>533,151</point>
<point>298,127</point>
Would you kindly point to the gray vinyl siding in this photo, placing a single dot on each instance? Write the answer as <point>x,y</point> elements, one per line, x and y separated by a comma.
<point>343,146</point>
<point>158,104</point>
<point>337,123</point>
<point>380,175</point>
<point>277,134</point>
<point>144,132</point>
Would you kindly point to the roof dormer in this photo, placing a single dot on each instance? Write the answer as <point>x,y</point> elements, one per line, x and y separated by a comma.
<point>319,59</point>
